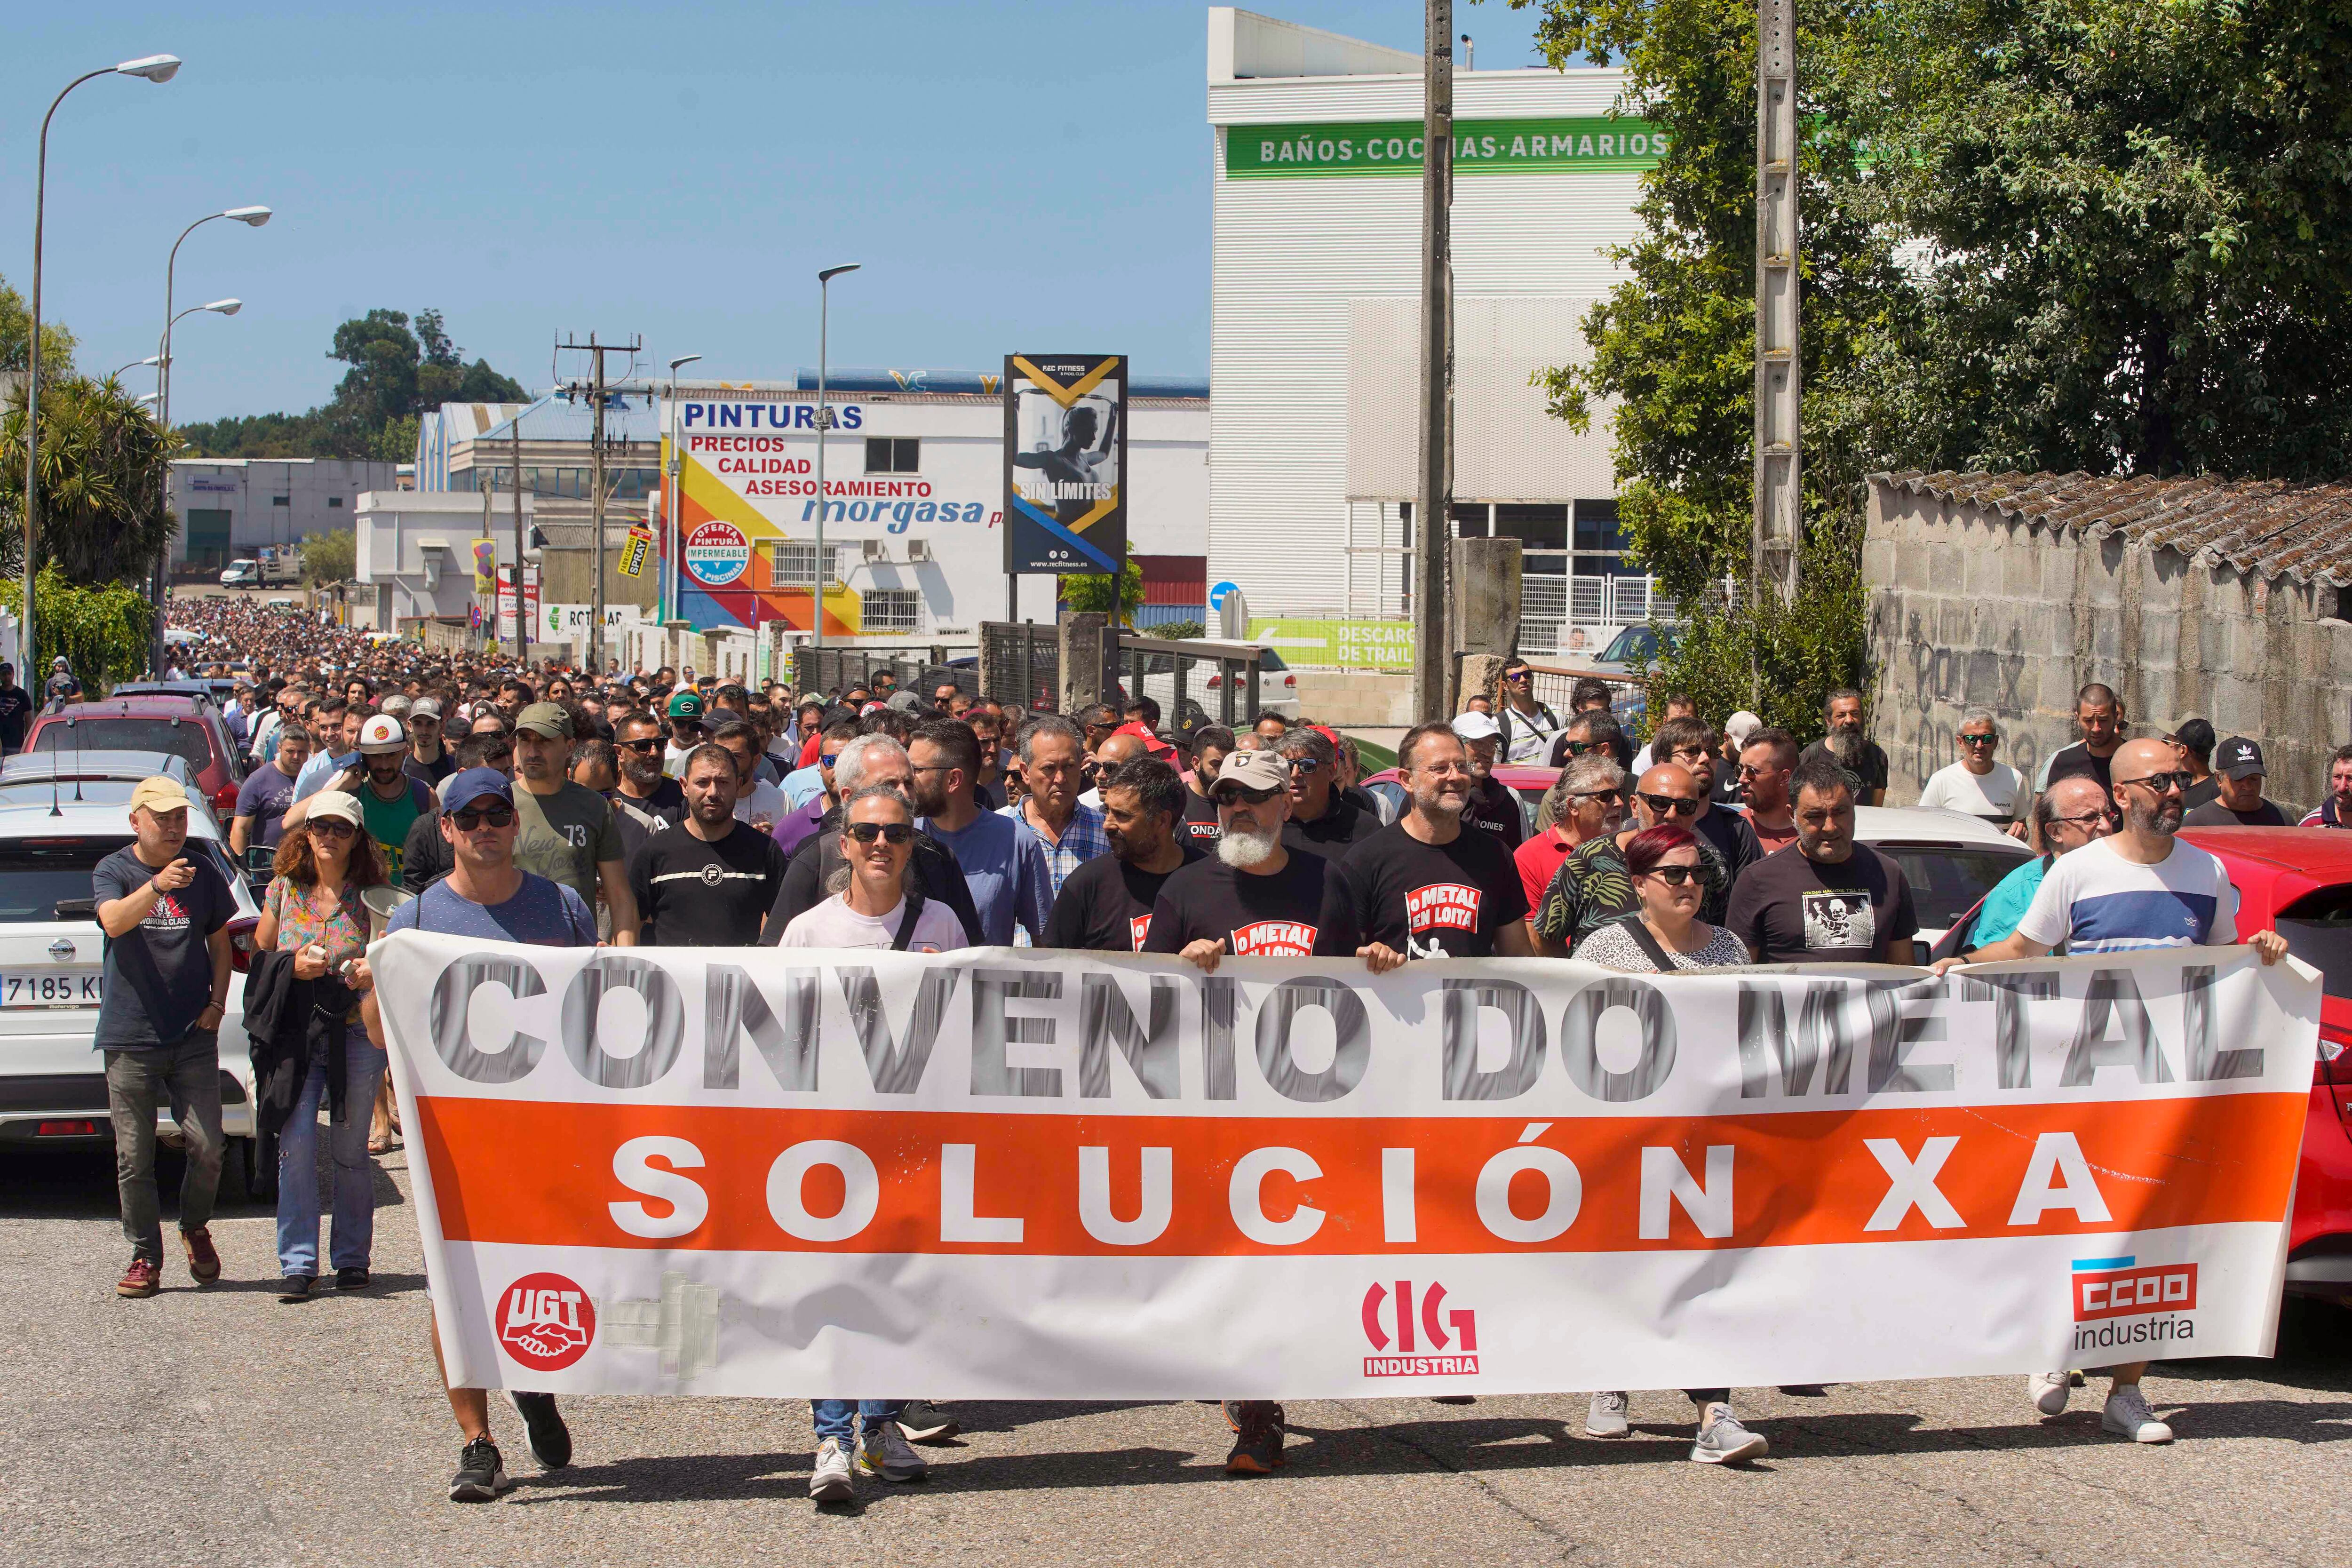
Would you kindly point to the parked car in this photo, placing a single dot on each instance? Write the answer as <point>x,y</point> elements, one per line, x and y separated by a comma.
<point>185,725</point>
<point>99,778</point>
<point>1204,687</point>
<point>241,573</point>
<point>52,1082</point>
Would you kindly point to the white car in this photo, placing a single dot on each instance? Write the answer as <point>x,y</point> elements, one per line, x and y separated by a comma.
<point>52,1082</point>
<point>1204,685</point>
<point>1950,860</point>
<point>244,573</point>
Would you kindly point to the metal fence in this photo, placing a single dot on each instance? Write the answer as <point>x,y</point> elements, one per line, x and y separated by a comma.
<point>1552,606</point>
<point>1194,682</point>
<point>922,670</point>
<point>1020,666</point>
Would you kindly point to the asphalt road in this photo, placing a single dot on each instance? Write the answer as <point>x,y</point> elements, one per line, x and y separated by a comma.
<point>222,1427</point>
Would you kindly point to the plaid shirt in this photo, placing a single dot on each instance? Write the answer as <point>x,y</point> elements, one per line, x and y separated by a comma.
<point>1082,839</point>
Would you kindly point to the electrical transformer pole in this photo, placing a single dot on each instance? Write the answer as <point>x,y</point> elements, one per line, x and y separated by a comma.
<point>1434,505</point>
<point>1779,506</point>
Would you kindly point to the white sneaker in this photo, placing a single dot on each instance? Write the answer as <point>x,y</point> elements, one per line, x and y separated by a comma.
<point>2048,1390</point>
<point>2128,1416</point>
<point>883,1452</point>
<point>1722,1440</point>
<point>1605,1418</point>
<point>831,1481</point>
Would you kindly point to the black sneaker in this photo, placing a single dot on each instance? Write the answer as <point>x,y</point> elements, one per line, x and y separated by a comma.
<point>551,1439</point>
<point>350,1278</point>
<point>924,1422</point>
<point>481,1473</point>
<point>1257,1450</point>
<point>295,1288</point>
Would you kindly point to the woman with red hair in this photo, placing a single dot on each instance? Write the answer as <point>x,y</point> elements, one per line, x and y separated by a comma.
<point>1666,932</point>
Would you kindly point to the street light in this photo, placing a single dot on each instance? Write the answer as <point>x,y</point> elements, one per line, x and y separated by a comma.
<point>139,364</point>
<point>152,67</point>
<point>672,497</point>
<point>817,599</point>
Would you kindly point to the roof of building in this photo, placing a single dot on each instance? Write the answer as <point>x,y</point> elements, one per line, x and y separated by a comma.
<point>628,416</point>
<point>2268,528</point>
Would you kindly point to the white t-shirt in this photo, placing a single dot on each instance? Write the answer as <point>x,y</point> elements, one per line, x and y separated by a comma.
<point>764,802</point>
<point>834,924</point>
<point>1995,796</point>
<point>2094,900</point>
<point>1531,734</point>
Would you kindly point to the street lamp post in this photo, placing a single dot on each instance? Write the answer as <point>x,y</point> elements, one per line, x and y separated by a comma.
<point>673,495</point>
<point>152,67</point>
<point>252,217</point>
<point>140,365</point>
<point>817,594</point>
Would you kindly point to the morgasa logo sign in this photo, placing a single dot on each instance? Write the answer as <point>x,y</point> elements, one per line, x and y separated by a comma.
<point>1480,147</point>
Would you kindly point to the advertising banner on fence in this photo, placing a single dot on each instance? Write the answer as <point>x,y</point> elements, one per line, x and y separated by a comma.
<point>1338,644</point>
<point>1064,463</point>
<point>1015,1174</point>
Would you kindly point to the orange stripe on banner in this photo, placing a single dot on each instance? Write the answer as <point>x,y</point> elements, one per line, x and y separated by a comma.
<point>543,1172</point>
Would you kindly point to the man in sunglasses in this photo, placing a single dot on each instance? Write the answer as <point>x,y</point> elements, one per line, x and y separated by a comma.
<point>711,881</point>
<point>646,800</point>
<point>1527,725</point>
<point>2068,815</point>
<point>1696,745</point>
<point>486,896</point>
<point>802,815</point>
<point>1323,820</point>
<point>2137,888</point>
<point>1767,759</point>
<point>1976,786</point>
<point>1592,886</point>
<point>1832,901</point>
<point>1586,802</point>
<point>1492,807</point>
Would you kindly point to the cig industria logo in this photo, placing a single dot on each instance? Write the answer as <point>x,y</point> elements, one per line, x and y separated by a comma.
<point>2118,1303</point>
<point>1437,1341</point>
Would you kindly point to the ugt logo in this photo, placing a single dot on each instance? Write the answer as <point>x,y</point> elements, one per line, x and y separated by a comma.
<point>1463,1358</point>
<point>546,1321</point>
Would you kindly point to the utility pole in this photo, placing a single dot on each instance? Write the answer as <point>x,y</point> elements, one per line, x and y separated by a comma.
<point>522,631</point>
<point>1433,508</point>
<point>1779,504</point>
<point>596,352</point>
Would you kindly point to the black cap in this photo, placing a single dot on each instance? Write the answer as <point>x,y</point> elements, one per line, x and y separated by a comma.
<point>2197,734</point>
<point>2239,758</point>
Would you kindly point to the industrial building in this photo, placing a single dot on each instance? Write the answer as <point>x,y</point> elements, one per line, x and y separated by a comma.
<point>229,507</point>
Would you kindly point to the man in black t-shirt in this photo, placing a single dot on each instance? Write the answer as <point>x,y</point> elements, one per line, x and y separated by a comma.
<point>1867,761</point>
<point>1425,888</point>
<point>1253,898</point>
<point>16,707</point>
<point>2099,715</point>
<point>1492,807</point>
<point>711,881</point>
<point>1824,899</point>
<point>1210,744</point>
<point>1323,821</point>
<point>2237,802</point>
<point>1104,906</point>
<point>1692,744</point>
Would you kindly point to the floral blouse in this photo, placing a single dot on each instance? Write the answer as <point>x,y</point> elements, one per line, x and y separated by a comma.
<point>305,916</point>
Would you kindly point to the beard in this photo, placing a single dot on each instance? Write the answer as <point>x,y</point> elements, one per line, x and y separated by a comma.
<point>642,771</point>
<point>2163,818</point>
<point>1243,850</point>
<point>1441,802</point>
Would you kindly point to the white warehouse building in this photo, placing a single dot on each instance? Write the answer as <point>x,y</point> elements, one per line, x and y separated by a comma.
<point>1316,316</point>
<point>228,507</point>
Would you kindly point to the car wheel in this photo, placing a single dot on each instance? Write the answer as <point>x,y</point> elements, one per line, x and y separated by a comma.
<point>253,1162</point>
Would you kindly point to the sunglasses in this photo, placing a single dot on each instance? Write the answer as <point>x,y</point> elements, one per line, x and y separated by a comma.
<point>495,815</point>
<point>330,828</point>
<point>2162,784</point>
<point>1610,796</point>
<point>1674,876</point>
<point>1304,765</point>
<point>1577,748</point>
<point>1517,677</point>
<point>650,744</point>
<point>828,759</point>
<point>1979,740</point>
<point>1688,755</point>
<point>1240,795</point>
<point>1669,805</point>
<point>887,831</point>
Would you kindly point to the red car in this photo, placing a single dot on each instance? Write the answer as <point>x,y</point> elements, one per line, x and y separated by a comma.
<point>2298,881</point>
<point>186,727</point>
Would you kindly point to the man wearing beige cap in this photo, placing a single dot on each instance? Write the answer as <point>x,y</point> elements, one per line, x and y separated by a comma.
<point>165,915</point>
<point>429,756</point>
<point>568,833</point>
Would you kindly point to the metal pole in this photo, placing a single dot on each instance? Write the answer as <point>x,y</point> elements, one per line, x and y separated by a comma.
<point>1779,521</point>
<point>1434,507</point>
<point>164,422</point>
<point>522,633</point>
<point>596,518</point>
<point>816,572</point>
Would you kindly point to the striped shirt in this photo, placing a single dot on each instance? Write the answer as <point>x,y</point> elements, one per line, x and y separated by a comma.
<point>2095,900</point>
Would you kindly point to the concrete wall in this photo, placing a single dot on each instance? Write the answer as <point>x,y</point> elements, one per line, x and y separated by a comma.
<point>1970,608</point>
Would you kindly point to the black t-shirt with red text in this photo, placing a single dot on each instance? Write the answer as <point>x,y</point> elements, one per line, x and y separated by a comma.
<point>1307,908</point>
<point>1200,826</point>
<point>1104,906</point>
<point>1434,900</point>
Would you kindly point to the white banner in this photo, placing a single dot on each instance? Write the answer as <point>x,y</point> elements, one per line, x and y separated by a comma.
<point>1018,1173</point>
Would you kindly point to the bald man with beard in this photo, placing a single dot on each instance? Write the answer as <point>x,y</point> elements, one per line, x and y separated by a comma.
<point>1592,886</point>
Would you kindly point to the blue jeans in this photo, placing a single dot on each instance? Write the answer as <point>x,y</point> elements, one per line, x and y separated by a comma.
<point>298,1165</point>
<point>833,1415</point>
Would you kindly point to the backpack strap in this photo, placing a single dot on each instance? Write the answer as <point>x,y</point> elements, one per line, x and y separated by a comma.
<point>1647,943</point>
<point>907,921</point>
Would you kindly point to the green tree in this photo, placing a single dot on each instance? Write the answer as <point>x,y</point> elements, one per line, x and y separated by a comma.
<point>331,557</point>
<point>1116,598</point>
<point>101,630</point>
<point>103,462</point>
<point>57,342</point>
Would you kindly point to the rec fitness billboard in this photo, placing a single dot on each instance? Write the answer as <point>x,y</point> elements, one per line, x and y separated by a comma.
<point>1064,463</point>
<point>1013,1174</point>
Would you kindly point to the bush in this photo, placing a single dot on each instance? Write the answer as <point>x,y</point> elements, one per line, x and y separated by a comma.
<point>101,632</point>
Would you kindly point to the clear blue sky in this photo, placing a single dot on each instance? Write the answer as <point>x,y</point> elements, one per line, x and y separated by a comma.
<point>1012,175</point>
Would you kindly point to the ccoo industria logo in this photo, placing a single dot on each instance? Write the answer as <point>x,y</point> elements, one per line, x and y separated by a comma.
<point>1449,1337</point>
<point>2119,1303</point>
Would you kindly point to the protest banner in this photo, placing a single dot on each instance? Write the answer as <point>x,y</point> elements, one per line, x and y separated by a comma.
<point>1017,1173</point>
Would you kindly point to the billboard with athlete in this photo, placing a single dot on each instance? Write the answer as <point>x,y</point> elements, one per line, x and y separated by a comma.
<point>1064,463</point>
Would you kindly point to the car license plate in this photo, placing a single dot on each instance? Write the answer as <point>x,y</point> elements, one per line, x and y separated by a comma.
<point>51,988</point>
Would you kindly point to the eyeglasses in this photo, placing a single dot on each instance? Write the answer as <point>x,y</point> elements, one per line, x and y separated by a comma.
<point>650,744</point>
<point>1748,772</point>
<point>2085,820</point>
<point>1241,795</point>
<point>1610,796</point>
<point>1979,740</point>
<point>1669,805</point>
<point>887,831</point>
<point>1673,875</point>
<point>2162,784</point>
<point>494,816</point>
<point>1688,755</point>
<point>330,828</point>
<point>1518,676</point>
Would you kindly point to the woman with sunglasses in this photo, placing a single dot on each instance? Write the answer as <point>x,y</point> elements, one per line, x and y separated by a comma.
<point>312,910</point>
<point>1665,932</point>
<point>877,902</point>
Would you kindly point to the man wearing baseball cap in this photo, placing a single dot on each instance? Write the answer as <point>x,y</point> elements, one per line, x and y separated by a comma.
<point>1493,808</point>
<point>390,801</point>
<point>569,832</point>
<point>428,754</point>
<point>685,729</point>
<point>488,897</point>
<point>2238,766</point>
<point>2194,740</point>
<point>165,971</point>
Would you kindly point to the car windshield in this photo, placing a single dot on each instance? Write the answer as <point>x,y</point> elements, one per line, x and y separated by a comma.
<point>1947,881</point>
<point>181,737</point>
<point>35,874</point>
<point>2318,930</point>
<point>1631,646</point>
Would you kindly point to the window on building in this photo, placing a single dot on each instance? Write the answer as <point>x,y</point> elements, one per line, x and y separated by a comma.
<point>1599,544</point>
<point>894,455</point>
<point>893,610</point>
<point>281,500</point>
<point>2335,604</point>
<point>790,565</point>
<point>334,500</point>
